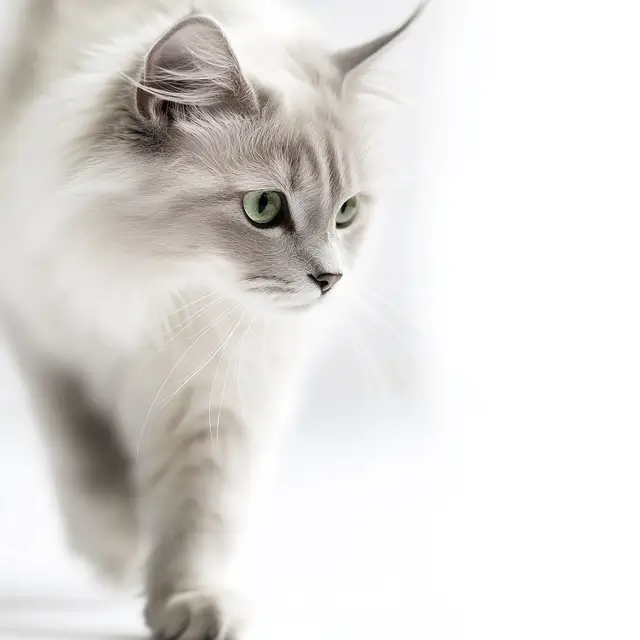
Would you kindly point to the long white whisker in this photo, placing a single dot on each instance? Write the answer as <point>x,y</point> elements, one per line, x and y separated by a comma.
<point>364,122</point>
<point>215,375</point>
<point>184,326</point>
<point>175,366</point>
<point>400,314</point>
<point>264,340</point>
<point>224,386</point>
<point>366,374</point>
<point>197,370</point>
<point>204,297</point>
<point>385,322</point>
<point>190,304</point>
<point>372,369</point>
<point>239,362</point>
<point>242,351</point>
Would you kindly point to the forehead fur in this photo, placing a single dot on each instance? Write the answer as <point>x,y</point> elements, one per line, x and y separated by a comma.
<point>290,146</point>
<point>306,126</point>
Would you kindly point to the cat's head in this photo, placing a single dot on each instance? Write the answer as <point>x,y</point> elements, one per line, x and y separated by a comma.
<point>260,186</point>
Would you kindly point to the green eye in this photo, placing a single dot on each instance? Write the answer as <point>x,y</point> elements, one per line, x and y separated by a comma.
<point>262,207</point>
<point>347,212</point>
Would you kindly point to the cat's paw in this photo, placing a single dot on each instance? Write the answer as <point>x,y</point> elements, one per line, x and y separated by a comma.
<point>192,615</point>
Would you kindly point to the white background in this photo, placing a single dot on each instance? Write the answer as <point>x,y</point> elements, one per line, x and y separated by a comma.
<point>506,505</point>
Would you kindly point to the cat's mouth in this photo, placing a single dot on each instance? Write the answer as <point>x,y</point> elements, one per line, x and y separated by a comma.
<point>303,306</point>
<point>279,295</point>
<point>293,304</point>
<point>281,304</point>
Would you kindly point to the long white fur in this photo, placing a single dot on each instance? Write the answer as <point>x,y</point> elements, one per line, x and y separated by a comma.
<point>157,346</point>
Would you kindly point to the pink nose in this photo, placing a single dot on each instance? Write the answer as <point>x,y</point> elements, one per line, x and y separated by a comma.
<point>326,280</point>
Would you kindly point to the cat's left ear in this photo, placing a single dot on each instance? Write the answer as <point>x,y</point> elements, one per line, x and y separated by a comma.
<point>192,65</point>
<point>351,61</point>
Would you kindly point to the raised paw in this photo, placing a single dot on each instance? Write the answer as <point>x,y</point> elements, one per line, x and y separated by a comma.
<point>192,615</point>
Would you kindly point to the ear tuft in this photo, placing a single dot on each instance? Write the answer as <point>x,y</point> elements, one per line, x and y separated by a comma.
<point>356,57</point>
<point>192,65</point>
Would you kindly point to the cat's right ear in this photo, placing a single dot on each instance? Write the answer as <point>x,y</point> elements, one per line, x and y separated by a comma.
<point>192,66</point>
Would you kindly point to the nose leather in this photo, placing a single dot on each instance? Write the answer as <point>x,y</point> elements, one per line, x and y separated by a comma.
<point>326,281</point>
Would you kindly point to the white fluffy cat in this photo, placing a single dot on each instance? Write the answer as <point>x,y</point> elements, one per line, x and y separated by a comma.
<point>183,186</point>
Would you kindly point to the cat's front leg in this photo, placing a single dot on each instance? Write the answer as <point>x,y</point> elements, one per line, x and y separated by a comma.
<point>194,495</point>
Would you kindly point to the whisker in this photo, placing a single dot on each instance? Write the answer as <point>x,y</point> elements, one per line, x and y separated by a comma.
<point>386,328</point>
<point>184,326</point>
<point>393,307</point>
<point>239,363</point>
<point>364,122</point>
<point>204,297</point>
<point>190,304</point>
<point>224,386</point>
<point>215,376</point>
<point>378,313</point>
<point>373,368</point>
<point>198,370</point>
<point>264,339</point>
<point>175,366</point>
<point>364,153</point>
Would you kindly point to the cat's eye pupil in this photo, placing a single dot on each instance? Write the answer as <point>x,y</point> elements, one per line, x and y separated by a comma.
<point>344,207</point>
<point>263,207</point>
<point>263,202</point>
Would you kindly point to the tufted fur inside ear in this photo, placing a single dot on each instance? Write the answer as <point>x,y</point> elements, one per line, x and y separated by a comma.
<point>192,65</point>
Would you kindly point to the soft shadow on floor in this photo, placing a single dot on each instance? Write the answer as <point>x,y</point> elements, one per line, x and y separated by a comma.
<point>23,632</point>
<point>43,604</point>
<point>17,615</point>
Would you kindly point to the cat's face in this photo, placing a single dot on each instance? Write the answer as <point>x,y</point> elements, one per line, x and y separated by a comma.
<point>282,207</point>
<point>267,194</point>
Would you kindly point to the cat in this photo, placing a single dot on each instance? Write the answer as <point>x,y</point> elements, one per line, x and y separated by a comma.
<point>184,190</point>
